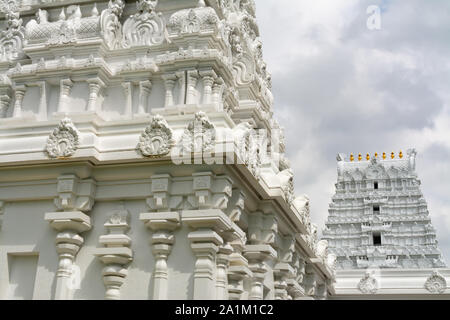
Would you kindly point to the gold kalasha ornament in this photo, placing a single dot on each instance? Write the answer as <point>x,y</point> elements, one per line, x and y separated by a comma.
<point>400,155</point>
<point>367,157</point>
<point>384,155</point>
<point>352,157</point>
<point>359,157</point>
<point>392,155</point>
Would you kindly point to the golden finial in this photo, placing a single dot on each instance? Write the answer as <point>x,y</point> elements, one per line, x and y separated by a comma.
<point>384,155</point>
<point>367,157</point>
<point>392,155</point>
<point>400,155</point>
<point>359,157</point>
<point>352,157</point>
<point>376,155</point>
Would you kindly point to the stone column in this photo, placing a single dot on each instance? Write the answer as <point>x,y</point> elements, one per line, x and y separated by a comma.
<point>116,255</point>
<point>191,92</point>
<point>145,88</point>
<point>68,243</point>
<point>223,261</point>
<point>74,197</point>
<point>169,83</point>
<point>128,98</point>
<point>5,100</point>
<point>217,93</point>
<point>162,224</point>
<point>181,75</point>
<point>19,93</point>
<point>95,85</point>
<point>43,100</point>
<point>208,77</point>
<point>257,255</point>
<point>65,89</point>
<point>205,243</point>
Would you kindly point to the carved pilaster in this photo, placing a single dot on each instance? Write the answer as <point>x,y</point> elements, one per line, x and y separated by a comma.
<point>5,101</point>
<point>169,83</point>
<point>205,243</point>
<point>208,77</point>
<point>223,261</point>
<point>309,281</point>
<point>19,93</point>
<point>282,269</point>
<point>65,89</point>
<point>127,87</point>
<point>43,100</point>
<point>145,88</point>
<point>2,204</point>
<point>191,91</point>
<point>95,85</point>
<point>181,75</point>
<point>74,197</point>
<point>257,255</point>
<point>163,224</point>
<point>218,89</point>
<point>116,255</point>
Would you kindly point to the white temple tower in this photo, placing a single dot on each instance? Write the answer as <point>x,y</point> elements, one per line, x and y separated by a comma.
<point>380,229</point>
<point>139,157</point>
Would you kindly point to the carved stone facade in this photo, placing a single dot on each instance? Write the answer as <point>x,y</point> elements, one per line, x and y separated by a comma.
<point>97,100</point>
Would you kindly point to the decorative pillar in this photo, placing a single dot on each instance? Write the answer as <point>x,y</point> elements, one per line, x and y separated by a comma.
<point>5,100</point>
<point>70,223</point>
<point>162,224</point>
<point>205,243</point>
<point>191,92</point>
<point>116,255</point>
<point>169,83</point>
<point>262,230</point>
<point>2,204</point>
<point>217,93</point>
<point>95,85</point>
<point>282,269</point>
<point>223,261</point>
<point>65,88</point>
<point>128,99</point>
<point>208,77</point>
<point>181,75</point>
<point>19,93</point>
<point>43,100</point>
<point>145,88</point>
<point>309,281</point>
<point>257,255</point>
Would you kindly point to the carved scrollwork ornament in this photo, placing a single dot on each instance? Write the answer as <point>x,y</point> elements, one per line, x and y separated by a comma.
<point>200,135</point>
<point>156,140</point>
<point>436,283</point>
<point>146,27</point>
<point>368,284</point>
<point>63,142</point>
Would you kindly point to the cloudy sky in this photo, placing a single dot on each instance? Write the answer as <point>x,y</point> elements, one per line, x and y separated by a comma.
<point>340,87</point>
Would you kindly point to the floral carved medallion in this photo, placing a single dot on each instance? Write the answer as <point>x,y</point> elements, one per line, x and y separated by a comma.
<point>64,140</point>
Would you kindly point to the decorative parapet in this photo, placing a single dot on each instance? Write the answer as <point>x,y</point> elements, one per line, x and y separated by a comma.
<point>76,28</point>
<point>116,255</point>
<point>202,19</point>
